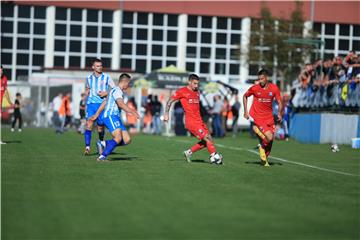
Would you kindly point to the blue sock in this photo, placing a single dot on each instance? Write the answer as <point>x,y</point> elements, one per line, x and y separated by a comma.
<point>87,136</point>
<point>110,145</point>
<point>101,135</point>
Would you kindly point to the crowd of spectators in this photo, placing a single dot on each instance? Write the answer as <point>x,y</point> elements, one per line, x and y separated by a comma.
<point>329,85</point>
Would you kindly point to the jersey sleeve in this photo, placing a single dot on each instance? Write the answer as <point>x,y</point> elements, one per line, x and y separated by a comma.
<point>87,83</point>
<point>249,92</point>
<point>118,94</point>
<point>177,95</point>
<point>277,93</point>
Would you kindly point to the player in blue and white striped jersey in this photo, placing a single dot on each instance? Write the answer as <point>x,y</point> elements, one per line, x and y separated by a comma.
<point>111,110</point>
<point>97,86</point>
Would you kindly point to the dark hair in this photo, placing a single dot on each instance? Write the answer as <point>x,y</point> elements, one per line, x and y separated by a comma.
<point>263,72</point>
<point>18,94</point>
<point>124,75</point>
<point>2,67</point>
<point>96,60</point>
<point>193,77</point>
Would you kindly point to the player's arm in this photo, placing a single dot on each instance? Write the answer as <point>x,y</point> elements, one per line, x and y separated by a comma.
<point>280,111</point>
<point>98,112</point>
<point>167,108</point>
<point>245,97</point>
<point>123,106</point>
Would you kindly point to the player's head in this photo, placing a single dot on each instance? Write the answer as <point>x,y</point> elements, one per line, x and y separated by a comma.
<point>97,66</point>
<point>124,81</point>
<point>194,81</point>
<point>263,77</point>
<point>18,95</point>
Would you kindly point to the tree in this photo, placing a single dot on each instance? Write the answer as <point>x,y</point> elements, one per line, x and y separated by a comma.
<point>270,45</point>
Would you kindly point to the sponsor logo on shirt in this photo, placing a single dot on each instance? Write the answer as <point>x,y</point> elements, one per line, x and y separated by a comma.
<point>270,94</point>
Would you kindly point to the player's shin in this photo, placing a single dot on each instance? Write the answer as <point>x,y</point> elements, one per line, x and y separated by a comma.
<point>258,132</point>
<point>101,135</point>
<point>268,148</point>
<point>210,147</point>
<point>198,146</point>
<point>110,146</point>
<point>87,136</point>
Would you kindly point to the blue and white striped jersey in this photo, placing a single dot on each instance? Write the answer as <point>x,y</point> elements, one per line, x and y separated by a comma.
<point>97,84</point>
<point>111,107</point>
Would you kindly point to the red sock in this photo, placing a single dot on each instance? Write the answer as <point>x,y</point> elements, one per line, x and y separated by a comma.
<point>268,148</point>
<point>210,147</point>
<point>198,146</point>
<point>264,143</point>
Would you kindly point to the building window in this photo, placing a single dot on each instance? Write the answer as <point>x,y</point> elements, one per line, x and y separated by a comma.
<point>157,35</point>
<point>91,31</point>
<point>344,30</point>
<point>6,26</point>
<point>23,43</point>
<point>344,45</point>
<point>220,68</point>
<point>142,34</point>
<point>142,18</point>
<point>172,20</point>
<point>106,47</point>
<point>128,17</point>
<point>158,19</point>
<point>60,45</point>
<point>192,21</point>
<point>75,46</point>
<point>235,39</point>
<point>38,60</point>
<point>356,45</point>
<point>39,28</point>
<point>141,49</point>
<point>204,67</point>
<point>156,64</point>
<point>191,52</point>
<point>140,66</point>
<point>75,30</point>
<point>92,15</point>
<point>39,44</point>
<point>172,36</point>
<point>157,50</point>
<point>59,61</point>
<point>191,37</point>
<point>40,12</point>
<point>236,24</point>
<point>107,16</point>
<point>74,61</point>
<point>205,52</point>
<point>127,33</point>
<point>126,48</point>
<point>6,58</point>
<point>6,43</point>
<point>234,69</point>
<point>190,66</point>
<point>220,53</point>
<point>221,23</point>
<point>205,37</point>
<point>60,29</point>
<point>329,44</point>
<point>356,30</point>
<point>107,32</point>
<point>221,38</point>
<point>22,59</point>
<point>125,63</point>
<point>206,22</point>
<point>60,13</point>
<point>171,51</point>
<point>330,29</point>
<point>24,11</point>
<point>7,10</point>
<point>76,14</point>
<point>91,47</point>
<point>23,27</point>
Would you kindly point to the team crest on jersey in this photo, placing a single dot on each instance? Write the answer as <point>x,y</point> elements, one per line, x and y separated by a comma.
<point>270,94</point>
<point>201,131</point>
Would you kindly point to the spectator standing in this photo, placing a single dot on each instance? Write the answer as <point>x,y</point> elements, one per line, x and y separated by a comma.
<point>155,112</point>
<point>17,113</point>
<point>235,108</point>
<point>82,113</point>
<point>216,111</point>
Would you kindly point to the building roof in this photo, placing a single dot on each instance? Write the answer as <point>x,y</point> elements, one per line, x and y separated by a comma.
<point>346,12</point>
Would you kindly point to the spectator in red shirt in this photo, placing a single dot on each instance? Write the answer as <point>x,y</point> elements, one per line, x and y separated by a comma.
<point>4,91</point>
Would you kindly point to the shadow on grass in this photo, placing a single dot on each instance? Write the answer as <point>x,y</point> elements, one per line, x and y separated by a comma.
<point>13,141</point>
<point>122,159</point>
<point>259,163</point>
<point>192,161</point>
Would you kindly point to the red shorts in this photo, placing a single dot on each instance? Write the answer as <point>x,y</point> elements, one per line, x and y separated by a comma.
<point>265,125</point>
<point>198,130</point>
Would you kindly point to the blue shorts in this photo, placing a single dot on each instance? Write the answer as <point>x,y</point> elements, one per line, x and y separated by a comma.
<point>113,122</point>
<point>91,109</point>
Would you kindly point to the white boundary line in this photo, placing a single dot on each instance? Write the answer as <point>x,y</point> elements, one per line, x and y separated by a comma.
<point>284,160</point>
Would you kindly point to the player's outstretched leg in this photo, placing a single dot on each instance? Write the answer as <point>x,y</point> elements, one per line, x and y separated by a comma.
<point>198,146</point>
<point>111,145</point>
<point>215,158</point>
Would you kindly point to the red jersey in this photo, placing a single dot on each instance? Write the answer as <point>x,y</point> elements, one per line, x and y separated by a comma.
<point>261,108</point>
<point>190,101</point>
<point>3,84</point>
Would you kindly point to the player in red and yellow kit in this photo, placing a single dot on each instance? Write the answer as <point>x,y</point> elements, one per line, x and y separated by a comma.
<point>189,97</point>
<point>261,111</point>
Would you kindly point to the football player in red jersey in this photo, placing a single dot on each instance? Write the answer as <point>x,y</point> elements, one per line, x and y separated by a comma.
<point>261,111</point>
<point>189,97</point>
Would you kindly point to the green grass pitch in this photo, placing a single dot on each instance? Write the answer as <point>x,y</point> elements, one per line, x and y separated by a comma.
<point>49,190</point>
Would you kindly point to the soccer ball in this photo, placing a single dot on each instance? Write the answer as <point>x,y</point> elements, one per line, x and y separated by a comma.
<point>335,148</point>
<point>216,159</point>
